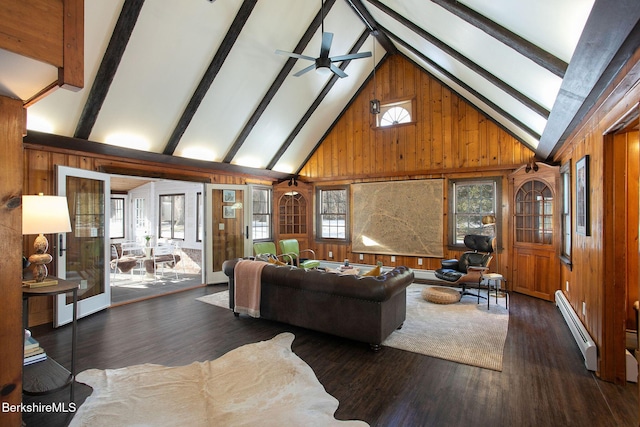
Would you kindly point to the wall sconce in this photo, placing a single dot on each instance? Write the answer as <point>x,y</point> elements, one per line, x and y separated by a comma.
<point>293,181</point>
<point>43,215</point>
<point>374,106</point>
<point>532,165</point>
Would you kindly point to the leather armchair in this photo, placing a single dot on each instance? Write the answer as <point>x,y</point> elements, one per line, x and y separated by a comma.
<point>472,264</point>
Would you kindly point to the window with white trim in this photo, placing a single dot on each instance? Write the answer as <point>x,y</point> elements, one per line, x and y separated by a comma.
<point>116,225</point>
<point>395,113</point>
<point>261,224</point>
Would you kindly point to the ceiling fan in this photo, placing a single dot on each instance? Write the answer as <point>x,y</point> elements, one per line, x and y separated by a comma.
<point>324,63</point>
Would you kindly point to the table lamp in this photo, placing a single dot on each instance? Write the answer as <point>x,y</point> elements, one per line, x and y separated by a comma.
<point>43,215</point>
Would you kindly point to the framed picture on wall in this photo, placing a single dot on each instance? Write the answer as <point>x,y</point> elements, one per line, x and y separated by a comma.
<point>228,212</point>
<point>582,196</point>
<point>229,196</point>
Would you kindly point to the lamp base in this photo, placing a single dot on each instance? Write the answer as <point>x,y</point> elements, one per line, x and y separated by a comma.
<point>35,284</point>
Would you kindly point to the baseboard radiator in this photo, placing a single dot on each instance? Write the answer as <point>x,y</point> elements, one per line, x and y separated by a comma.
<point>580,334</point>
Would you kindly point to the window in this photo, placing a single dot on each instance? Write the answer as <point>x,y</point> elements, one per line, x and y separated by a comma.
<point>199,213</point>
<point>139,218</point>
<point>333,213</point>
<point>534,213</point>
<point>171,216</point>
<point>395,113</point>
<point>470,201</point>
<point>262,214</point>
<point>565,179</point>
<point>116,224</point>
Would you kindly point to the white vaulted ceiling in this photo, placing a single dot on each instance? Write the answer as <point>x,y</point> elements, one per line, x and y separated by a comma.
<point>200,78</point>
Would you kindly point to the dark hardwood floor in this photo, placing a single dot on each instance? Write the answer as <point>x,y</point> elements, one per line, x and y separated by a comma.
<point>543,382</point>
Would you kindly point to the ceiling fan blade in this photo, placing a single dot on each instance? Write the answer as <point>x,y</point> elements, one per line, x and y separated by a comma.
<point>294,55</point>
<point>305,70</point>
<point>351,56</point>
<point>327,38</point>
<point>338,71</point>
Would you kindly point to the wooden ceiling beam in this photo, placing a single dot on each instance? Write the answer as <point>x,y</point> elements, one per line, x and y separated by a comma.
<point>474,93</point>
<point>528,102</point>
<point>373,26</point>
<point>75,145</point>
<point>610,37</point>
<point>210,74</point>
<point>277,83</point>
<point>108,67</point>
<point>511,39</point>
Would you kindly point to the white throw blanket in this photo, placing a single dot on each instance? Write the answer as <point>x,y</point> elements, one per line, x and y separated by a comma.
<point>261,384</point>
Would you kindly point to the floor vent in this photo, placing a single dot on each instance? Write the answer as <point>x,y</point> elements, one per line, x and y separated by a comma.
<point>580,334</point>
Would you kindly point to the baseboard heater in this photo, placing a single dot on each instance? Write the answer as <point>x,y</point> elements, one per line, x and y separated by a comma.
<point>580,334</point>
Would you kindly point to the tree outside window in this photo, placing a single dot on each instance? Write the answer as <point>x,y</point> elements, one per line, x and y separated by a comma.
<point>172,215</point>
<point>470,202</point>
<point>116,225</point>
<point>262,214</point>
<point>333,213</point>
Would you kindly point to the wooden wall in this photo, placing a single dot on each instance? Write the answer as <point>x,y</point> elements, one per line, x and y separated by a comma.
<point>599,272</point>
<point>448,139</point>
<point>12,124</point>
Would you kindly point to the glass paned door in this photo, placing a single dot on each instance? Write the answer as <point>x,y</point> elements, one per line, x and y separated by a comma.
<point>82,254</point>
<point>227,232</point>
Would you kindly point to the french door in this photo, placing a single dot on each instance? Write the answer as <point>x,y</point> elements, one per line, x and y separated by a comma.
<point>83,253</point>
<point>227,227</point>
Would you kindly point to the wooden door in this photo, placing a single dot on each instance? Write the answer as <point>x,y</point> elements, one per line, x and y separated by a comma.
<point>535,232</point>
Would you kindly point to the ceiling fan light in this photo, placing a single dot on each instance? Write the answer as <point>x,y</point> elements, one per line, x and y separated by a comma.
<point>321,69</point>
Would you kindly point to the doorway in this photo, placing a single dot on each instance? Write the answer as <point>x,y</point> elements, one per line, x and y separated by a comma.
<point>227,216</point>
<point>145,215</point>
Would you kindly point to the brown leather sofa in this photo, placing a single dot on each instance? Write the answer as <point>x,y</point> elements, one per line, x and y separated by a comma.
<point>366,309</point>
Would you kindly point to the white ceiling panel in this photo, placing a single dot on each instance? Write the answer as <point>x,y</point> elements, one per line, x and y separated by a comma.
<point>246,76</point>
<point>298,93</point>
<point>167,55</point>
<point>553,25</point>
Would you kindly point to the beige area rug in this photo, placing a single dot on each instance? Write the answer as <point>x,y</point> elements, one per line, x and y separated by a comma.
<point>464,332</point>
<point>262,384</point>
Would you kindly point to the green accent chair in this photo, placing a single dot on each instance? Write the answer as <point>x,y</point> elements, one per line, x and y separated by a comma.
<point>268,249</point>
<point>291,248</point>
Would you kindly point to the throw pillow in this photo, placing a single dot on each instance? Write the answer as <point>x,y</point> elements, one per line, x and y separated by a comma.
<point>275,261</point>
<point>375,271</point>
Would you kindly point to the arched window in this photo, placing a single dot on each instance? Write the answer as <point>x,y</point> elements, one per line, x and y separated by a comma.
<point>394,116</point>
<point>534,213</point>
<point>395,113</point>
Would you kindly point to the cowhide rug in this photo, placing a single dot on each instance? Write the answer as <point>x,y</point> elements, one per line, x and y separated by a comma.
<point>263,384</point>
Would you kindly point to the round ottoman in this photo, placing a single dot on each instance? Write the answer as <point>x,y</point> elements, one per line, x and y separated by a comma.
<point>440,295</point>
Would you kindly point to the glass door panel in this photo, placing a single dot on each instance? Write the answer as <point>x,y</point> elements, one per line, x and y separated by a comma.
<point>82,253</point>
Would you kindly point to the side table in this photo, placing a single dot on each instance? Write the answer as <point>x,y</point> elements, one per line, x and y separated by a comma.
<point>497,280</point>
<point>48,376</point>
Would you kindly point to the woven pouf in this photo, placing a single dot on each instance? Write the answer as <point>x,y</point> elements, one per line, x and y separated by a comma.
<point>440,295</point>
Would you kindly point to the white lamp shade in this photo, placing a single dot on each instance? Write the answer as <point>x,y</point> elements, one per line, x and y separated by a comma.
<point>45,214</point>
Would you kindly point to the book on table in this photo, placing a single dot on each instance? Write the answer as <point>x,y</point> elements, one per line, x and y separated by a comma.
<point>38,357</point>
<point>32,351</point>
<point>30,343</point>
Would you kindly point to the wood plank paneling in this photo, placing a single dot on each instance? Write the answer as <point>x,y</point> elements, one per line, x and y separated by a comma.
<point>12,123</point>
<point>448,138</point>
<point>594,276</point>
